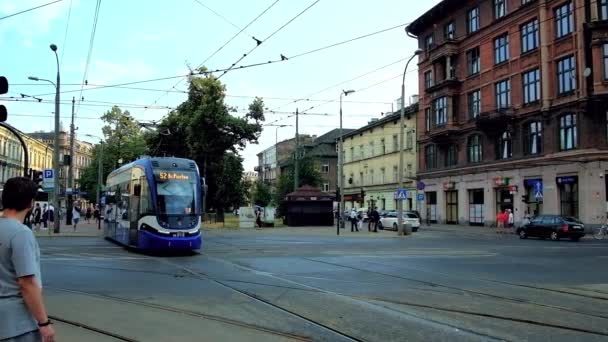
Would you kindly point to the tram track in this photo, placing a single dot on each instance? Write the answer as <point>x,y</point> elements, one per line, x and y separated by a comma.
<point>92,329</point>
<point>168,309</point>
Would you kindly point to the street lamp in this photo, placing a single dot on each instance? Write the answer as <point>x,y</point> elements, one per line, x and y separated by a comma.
<point>276,134</point>
<point>56,141</point>
<point>341,166</point>
<point>401,140</point>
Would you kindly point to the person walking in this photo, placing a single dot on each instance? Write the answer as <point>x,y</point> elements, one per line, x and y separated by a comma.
<point>45,217</point>
<point>376,218</point>
<point>500,222</point>
<point>510,220</point>
<point>75,216</point>
<point>37,216</point>
<point>96,214</point>
<point>51,214</point>
<point>88,214</point>
<point>24,316</point>
<point>353,221</point>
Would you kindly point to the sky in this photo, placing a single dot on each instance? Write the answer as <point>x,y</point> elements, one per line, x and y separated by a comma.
<point>139,40</point>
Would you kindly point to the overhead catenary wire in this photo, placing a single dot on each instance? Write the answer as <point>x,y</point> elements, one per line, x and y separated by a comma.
<point>65,35</point>
<point>90,52</point>
<point>221,47</point>
<point>29,9</point>
<point>267,38</point>
<point>220,16</point>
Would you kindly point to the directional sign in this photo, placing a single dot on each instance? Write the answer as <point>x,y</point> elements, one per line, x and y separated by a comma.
<point>420,197</point>
<point>401,194</point>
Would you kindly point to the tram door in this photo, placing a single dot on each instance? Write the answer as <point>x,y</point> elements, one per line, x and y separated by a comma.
<point>134,205</point>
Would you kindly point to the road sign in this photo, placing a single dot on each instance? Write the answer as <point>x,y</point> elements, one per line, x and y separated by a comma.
<point>420,185</point>
<point>420,197</point>
<point>48,180</point>
<point>538,190</point>
<point>48,173</point>
<point>401,194</point>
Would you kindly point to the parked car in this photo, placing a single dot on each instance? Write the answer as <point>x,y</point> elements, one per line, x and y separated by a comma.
<point>389,221</point>
<point>553,227</point>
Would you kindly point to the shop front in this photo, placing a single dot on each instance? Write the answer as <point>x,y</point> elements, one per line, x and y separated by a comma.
<point>431,206</point>
<point>451,202</point>
<point>504,193</point>
<point>533,198</point>
<point>568,195</point>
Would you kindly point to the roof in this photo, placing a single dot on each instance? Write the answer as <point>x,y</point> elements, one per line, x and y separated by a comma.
<point>331,136</point>
<point>409,111</point>
<point>433,15</point>
<point>309,193</point>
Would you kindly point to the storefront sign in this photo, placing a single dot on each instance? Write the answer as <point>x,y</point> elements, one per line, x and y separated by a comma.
<point>501,181</point>
<point>567,180</point>
<point>449,185</point>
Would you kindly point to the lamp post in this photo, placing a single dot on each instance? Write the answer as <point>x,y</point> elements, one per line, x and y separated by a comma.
<point>56,225</point>
<point>401,140</point>
<point>341,167</point>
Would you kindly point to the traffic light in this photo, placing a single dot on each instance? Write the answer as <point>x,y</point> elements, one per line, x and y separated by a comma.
<point>524,198</point>
<point>37,176</point>
<point>3,90</point>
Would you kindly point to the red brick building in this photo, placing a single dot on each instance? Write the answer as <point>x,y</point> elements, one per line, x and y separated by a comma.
<point>513,109</point>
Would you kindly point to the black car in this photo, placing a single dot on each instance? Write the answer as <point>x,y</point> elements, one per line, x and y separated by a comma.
<point>553,227</point>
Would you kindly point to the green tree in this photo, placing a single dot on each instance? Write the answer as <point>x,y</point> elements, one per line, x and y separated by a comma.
<point>309,174</point>
<point>261,195</point>
<point>202,128</point>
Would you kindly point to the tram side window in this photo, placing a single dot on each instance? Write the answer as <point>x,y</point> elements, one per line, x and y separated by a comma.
<point>145,201</point>
<point>122,199</point>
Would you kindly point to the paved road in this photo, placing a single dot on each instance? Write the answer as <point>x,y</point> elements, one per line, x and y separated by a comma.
<point>291,285</point>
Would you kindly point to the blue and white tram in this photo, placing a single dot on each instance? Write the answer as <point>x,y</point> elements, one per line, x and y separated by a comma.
<point>155,204</point>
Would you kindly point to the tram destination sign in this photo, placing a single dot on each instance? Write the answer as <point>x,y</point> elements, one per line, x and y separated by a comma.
<point>173,175</point>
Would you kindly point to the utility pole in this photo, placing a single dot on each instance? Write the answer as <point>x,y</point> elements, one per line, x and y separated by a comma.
<point>68,214</point>
<point>295,169</point>
<point>99,180</point>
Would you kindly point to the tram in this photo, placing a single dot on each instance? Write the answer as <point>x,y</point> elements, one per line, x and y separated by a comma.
<point>154,203</point>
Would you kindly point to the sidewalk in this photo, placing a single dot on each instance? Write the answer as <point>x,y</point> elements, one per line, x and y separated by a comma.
<point>84,230</point>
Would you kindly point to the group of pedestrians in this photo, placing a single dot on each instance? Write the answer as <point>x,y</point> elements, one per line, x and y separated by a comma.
<point>505,222</point>
<point>40,217</point>
<point>356,220</point>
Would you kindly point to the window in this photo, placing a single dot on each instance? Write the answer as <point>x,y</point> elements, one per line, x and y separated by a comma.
<point>501,48</point>
<point>567,132</point>
<point>564,20</point>
<point>440,107</point>
<point>428,42</point>
<point>566,81</point>
<point>409,140</point>
<point>603,11</point>
<point>503,94</point>
<point>504,146</point>
<point>371,177</point>
<point>474,149</point>
<point>529,36</point>
<point>474,104</point>
<point>473,20</point>
<point>326,187</point>
<point>605,59</point>
<point>361,152</point>
<point>430,157</point>
<point>325,168</point>
<point>450,30</point>
<point>395,174</point>
<point>534,142</point>
<point>382,175</point>
<point>500,8</point>
<point>395,143</point>
<point>361,178</point>
<point>352,153</point>
<point>523,2</point>
<point>427,119</point>
<point>473,61</point>
<point>382,146</point>
<point>531,82</point>
<point>372,149</point>
<point>428,79</point>
<point>451,156</point>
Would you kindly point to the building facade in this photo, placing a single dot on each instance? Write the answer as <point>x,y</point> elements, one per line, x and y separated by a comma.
<point>270,160</point>
<point>371,162</point>
<point>12,158</point>
<point>513,109</point>
<point>83,154</point>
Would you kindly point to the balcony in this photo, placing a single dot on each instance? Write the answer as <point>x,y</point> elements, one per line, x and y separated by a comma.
<point>446,48</point>
<point>444,134</point>
<point>495,120</point>
<point>451,82</point>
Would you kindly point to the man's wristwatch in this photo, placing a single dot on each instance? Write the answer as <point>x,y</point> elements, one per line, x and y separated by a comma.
<point>44,324</point>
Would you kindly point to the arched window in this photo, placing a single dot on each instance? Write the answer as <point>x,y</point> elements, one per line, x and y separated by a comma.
<point>504,146</point>
<point>534,138</point>
<point>474,149</point>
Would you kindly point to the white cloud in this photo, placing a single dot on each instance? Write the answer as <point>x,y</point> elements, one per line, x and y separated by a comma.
<point>35,22</point>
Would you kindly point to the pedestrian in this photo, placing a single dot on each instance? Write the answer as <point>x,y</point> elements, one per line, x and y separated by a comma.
<point>376,218</point>
<point>370,222</point>
<point>526,220</point>
<point>37,216</point>
<point>510,220</point>
<point>258,218</point>
<point>22,309</point>
<point>88,214</point>
<point>96,214</point>
<point>500,222</point>
<point>45,217</point>
<point>51,214</point>
<point>353,220</point>
<point>75,216</point>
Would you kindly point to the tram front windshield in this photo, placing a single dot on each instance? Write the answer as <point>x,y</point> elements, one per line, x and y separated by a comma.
<point>176,193</point>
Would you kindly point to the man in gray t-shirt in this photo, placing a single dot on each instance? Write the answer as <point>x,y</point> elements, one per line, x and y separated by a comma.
<point>22,311</point>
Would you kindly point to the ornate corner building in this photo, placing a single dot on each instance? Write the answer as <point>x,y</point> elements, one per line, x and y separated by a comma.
<point>513,109</point>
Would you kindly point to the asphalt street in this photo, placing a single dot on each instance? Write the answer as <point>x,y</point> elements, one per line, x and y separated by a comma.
<point>298,285</point>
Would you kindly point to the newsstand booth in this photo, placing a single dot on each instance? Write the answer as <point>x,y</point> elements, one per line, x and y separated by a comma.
<point>308,206</point>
